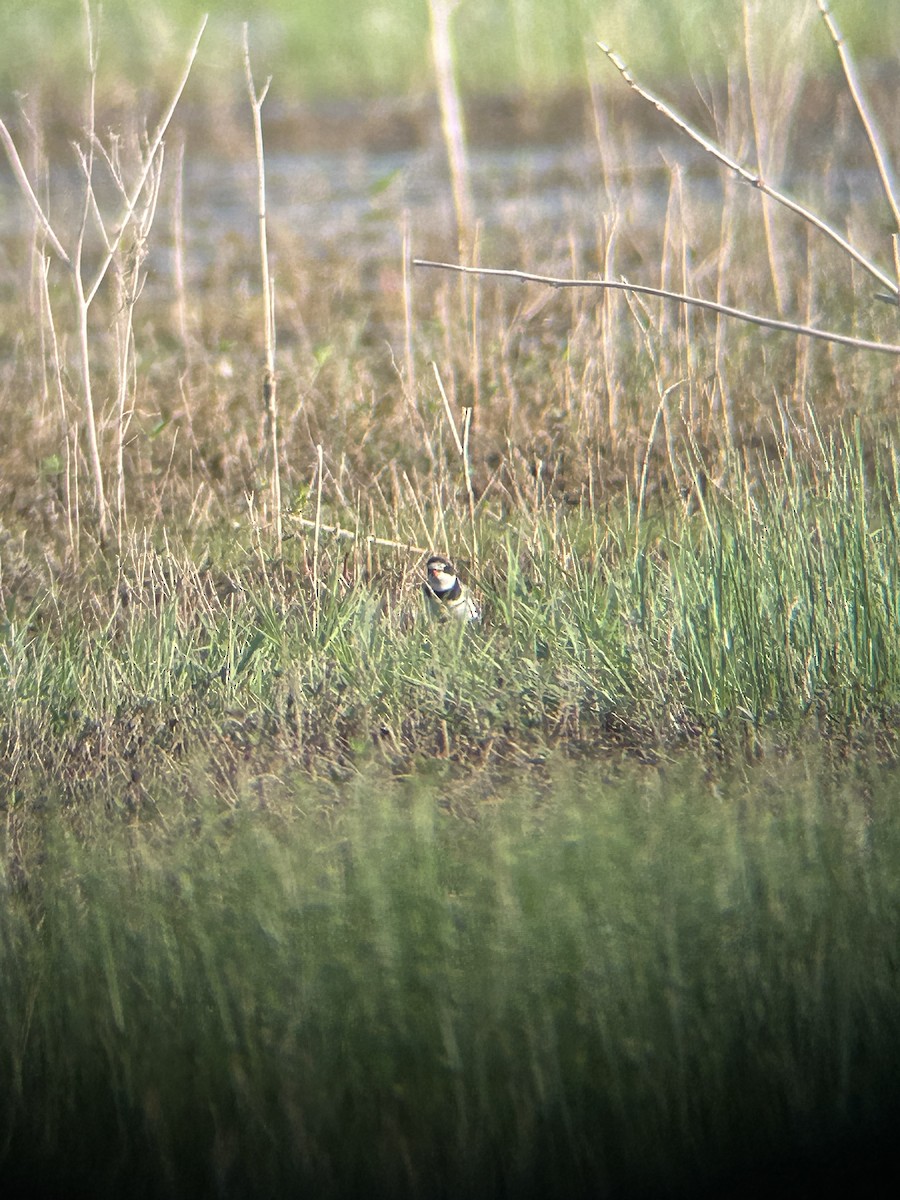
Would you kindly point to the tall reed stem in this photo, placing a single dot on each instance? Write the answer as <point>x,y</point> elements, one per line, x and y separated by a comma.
<point>270,381</point>
<point>452,121</point>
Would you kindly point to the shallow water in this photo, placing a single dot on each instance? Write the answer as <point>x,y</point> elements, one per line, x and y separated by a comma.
<point>552,193</point>
<point>347,180</point>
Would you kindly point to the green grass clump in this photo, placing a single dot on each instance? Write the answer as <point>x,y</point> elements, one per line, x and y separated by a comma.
<point>608,982</point>
<point>767,602</point>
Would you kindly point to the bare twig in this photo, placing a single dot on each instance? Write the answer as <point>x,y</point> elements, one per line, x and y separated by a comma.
<point>129,281</point>
<point>124,219</point>
<point>27,191</point>
<point>467,473</point>
<point>70,431</point>
<point>751,177</point>
<point>368,539</point>
<point>621,285</point>
<point>462,446</point>
<point>82,301</point>
<point>270,381</point>
<point>872,133</point>
<point>447,409</point>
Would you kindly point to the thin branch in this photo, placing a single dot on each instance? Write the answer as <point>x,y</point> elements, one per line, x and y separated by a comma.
<point>149,159</point>
<point>447,409</point>
<point>28,192</point>
<point>621,285</point>
<point>467,472</point>
<point>875,142</point>
<point>83,304</point>
<point>751,177</point>
<point>462,445</point>
<point>368,538</point>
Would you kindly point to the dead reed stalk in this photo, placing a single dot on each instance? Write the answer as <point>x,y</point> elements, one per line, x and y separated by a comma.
<point>452,120</point>
<point>270,381</point>
<point>123,236</point>
<point>462,446</point>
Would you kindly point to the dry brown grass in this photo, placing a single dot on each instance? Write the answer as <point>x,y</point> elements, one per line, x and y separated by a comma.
<point>577,398</point>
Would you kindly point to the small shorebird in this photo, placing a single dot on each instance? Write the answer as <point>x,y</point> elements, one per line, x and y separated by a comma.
<point>446,594</point>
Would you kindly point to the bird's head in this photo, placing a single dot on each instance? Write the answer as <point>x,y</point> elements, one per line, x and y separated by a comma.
<point>440,574</point>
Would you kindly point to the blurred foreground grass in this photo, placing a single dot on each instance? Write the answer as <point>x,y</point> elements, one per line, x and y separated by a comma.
<point>614,981</point>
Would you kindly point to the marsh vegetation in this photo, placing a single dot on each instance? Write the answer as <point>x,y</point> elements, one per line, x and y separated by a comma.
<point>304,890</point>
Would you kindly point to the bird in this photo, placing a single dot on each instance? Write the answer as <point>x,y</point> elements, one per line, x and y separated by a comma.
<point>446,594</point>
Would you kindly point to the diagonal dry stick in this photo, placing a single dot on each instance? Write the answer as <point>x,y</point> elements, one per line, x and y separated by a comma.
<point>131,202</point>
<point>34,204</point>
<point>621,285</point>
<point>874,138</point>
<point>751,177</point>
